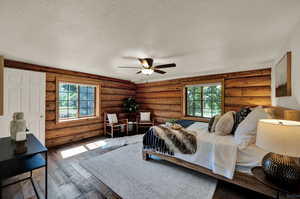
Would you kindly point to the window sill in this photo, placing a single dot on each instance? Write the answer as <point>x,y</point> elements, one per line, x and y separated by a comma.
<point>200,119</point>
<point>78,120</point>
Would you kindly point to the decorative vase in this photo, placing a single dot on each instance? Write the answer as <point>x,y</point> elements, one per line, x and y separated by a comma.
<point>281,169</point>
<point>18,124</point>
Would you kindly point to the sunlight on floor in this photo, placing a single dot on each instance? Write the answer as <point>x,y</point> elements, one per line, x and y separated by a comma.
<point>95,145</point>
<point>73,151</point>
<point>81,149</point>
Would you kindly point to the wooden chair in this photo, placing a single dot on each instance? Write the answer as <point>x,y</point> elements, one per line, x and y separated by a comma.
<point>144,123</point>
<point>114,126</point>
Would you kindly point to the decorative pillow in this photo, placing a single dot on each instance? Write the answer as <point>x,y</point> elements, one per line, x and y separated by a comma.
<point>210,123</point>
<point>239,117</point>
<point>246,131</point>
<point>145,116</point>
<point>213,128</point>
<point>185,123</point>
<point>225,124</point>
<point>112,118</point>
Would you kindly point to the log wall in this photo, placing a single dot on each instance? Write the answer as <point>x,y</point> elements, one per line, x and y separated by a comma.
<point>112,95</point>
<point>248,88</point>
<point>113,91</point>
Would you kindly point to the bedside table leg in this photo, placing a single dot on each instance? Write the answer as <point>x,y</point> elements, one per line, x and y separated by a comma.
<point>281,195</point>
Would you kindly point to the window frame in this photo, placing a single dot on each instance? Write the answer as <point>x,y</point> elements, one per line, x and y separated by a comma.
<point>184,98</point>
<point>79,81</point>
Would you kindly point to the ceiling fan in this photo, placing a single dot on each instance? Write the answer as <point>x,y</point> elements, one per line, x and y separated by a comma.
<point>148,68</point>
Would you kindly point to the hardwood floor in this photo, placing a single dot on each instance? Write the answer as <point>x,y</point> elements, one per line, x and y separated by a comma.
<point>68,180</point>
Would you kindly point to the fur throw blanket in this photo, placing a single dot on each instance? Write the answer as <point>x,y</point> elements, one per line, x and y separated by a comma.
<point>178,141</point>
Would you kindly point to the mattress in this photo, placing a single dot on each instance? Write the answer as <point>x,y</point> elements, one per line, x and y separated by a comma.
<point>246,159</point>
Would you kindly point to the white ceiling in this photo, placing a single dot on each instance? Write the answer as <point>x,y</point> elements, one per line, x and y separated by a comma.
<point>200,36</point>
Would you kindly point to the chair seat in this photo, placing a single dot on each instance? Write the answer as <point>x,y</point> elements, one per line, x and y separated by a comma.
<point>145,122</point>
<point>116,125</point>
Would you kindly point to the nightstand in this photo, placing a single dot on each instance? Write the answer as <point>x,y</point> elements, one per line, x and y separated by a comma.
<point>260,175</point>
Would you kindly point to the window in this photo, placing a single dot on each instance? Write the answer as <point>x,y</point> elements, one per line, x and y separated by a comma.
<point>76,101</point>
<point>203,100</point>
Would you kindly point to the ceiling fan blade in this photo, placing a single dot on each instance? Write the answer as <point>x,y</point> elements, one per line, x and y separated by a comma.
<point>149,61</point>
<point>129,67</point>
<point>176,55</point>
<point>159,71</point>
<point>129,57</point>
<point>165,65</point>
<point>139,72</point>
<point>146,62</point>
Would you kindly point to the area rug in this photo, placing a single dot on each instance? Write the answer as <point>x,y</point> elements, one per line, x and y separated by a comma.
<point>128,175</point>
<point>120,141</point>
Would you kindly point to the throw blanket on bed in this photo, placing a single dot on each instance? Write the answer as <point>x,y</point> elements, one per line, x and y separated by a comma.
<point>168,140</point>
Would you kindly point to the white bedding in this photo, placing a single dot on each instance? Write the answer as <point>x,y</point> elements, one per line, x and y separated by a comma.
<point>221,153</point>
<point>249,157</point>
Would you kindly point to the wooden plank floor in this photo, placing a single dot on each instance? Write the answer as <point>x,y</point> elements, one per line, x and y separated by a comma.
<point>68,180</point>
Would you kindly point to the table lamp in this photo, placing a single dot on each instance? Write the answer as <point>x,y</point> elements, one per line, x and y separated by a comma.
<point>282,139</point>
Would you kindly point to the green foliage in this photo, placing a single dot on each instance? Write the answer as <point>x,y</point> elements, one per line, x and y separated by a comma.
<point>172,121</point>
<point>76,100</point>
<point>204,101</point>
<point>130,105</point>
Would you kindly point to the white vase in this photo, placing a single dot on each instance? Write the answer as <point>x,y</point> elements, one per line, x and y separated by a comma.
<point>18,124</point>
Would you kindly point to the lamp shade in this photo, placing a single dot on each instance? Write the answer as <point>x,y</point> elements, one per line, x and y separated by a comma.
<point>279,136</point>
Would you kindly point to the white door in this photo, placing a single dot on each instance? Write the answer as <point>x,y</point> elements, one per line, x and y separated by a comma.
<point>24,91</point>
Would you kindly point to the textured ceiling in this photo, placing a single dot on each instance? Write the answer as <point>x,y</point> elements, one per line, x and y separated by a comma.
<point>201,36</point>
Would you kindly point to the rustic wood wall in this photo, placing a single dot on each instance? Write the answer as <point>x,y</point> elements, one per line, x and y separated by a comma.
<point>112,94</point>
<point>113,91</point>
<point>248,88</point>
<point>163,97</point>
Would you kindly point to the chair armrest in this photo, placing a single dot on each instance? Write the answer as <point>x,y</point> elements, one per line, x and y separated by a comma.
<point>123,121</point>
<point>111,125</point>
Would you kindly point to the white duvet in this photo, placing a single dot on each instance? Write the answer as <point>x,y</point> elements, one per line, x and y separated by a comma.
<point>220,153</point>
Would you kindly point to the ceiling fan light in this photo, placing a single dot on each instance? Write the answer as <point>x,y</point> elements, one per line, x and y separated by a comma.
<point>147,71</point>
<point>145,63</point>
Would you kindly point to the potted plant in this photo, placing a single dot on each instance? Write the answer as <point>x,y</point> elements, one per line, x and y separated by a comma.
<point>130,107</point>
<point>171,122</point>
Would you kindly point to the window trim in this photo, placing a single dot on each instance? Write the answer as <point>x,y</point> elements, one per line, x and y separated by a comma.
<point>75,80</point>
<point>184,101</point>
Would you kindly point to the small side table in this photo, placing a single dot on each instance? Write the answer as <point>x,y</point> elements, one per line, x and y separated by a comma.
<point>260,175</point>
<point>12,164</point>
<point>132,126</point>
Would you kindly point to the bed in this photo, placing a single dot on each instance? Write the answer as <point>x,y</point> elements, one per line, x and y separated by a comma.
<point>244,159</point>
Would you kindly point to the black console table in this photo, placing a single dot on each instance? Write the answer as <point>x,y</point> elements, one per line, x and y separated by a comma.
<point>13,165</point>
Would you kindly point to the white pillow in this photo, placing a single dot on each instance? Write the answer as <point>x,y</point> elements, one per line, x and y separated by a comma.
<point>145,116</point>
<point>246,131</point>
<point>112,118</point>
<point>225,124</point>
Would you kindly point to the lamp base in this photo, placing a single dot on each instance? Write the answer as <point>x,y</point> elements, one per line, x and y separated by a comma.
<point>281,169</point>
